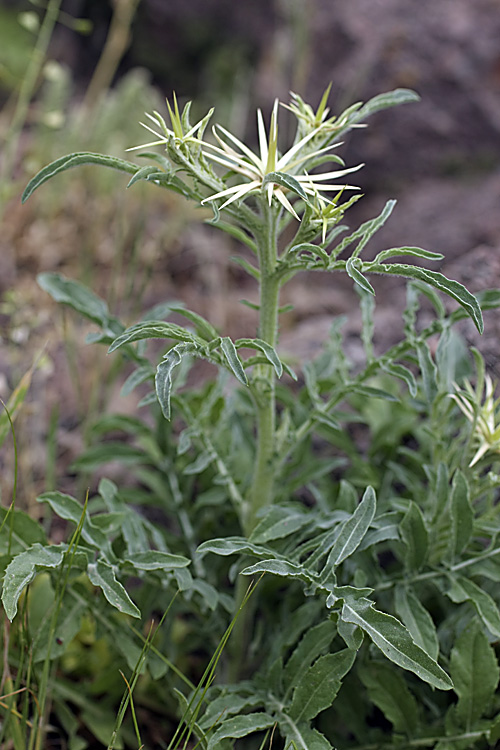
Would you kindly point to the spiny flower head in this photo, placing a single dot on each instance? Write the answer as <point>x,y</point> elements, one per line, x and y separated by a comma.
<point>269,171</point>
<point>483,416</point>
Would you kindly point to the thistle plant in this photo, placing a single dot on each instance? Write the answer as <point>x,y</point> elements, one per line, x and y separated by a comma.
<point>348,563</point>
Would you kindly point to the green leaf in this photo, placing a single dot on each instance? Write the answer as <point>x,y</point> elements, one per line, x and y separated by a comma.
<point>286,181</point>
<point>352,268</point>
<point>157,329</point>
<point>320,684</point>
<point>463,589</point>
<point>474,670</point>
<point>240,726</point>
<point>414,534</point>
<point>450,287</point>
<point>26,531</point>
<point>231,355</point>
<point>302,737</point>
<point>70,509</point>
<point>23,568</point>
<point>153,560</point>
<point>462,515</point>
<point>401,372</point>
<point>234,546</point>
<point>312,644</point>
<point>142,174</point>
<point>384,101</point>
<point>163,378</point>
<point>364,233</point>
<point>281,568</point>
<point>388,690</point>
<point>417,252</point>
<point>75,295</point>
<point>77,159</point>
<point>418,620</point>
<point>102,575</point>
<point>429,371</point>
<point>268,351</point>
<point>203,328</point>
<point>353,530</point>
<point>279,522</point>
<point>394,640</point>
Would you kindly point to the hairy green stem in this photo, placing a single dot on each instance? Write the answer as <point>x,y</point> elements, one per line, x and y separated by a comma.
<point>263,384</point>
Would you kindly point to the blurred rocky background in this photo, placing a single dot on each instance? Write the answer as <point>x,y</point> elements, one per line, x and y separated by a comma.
<point>440,159</point>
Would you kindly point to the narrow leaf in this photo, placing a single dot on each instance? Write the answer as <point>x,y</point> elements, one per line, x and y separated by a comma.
<point>233,546</point>
<point>76,160</point>
<point>384,101</point>
<point>70,509</point>
<point>312,644</point>
<point>417,252</point>
<point>353,530</point>
<point>281,568</point>
<point>163,379</point>
<point>151,330</point>
<point>154,560</point>
<point>75,295</point>
<point>394,640</point>
<point>401,372</point>
<point>464,589</point>
<point>450,287</point>
<point>285,180</point>
<point>353,271</point>
<point>414,534</point>
<point>233,360</point>
<point>268,351</point>
<point>462,515</point>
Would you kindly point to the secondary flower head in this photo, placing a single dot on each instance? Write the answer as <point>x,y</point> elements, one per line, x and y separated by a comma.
<point>269,171</point>
<point>482,416</point>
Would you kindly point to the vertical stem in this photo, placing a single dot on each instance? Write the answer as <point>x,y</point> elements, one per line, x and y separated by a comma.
<point>263,384</point>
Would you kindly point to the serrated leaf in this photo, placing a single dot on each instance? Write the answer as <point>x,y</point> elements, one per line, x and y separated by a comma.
<point>102,575</point>
<point>231,356</point>
<point>414,534</point>
<point>320,684</point>
<point>23,568</point>
<point>474,670</point>
<point>353,271</point>
<point>394,640</point>
<point>353,530</point>
<point>76,159</point>
<point>240,726</point>
<point>462,515</point>
<point>154,560</point>
<point>389,692</point>
<point>450,287</point>
<point>418,620</point>
<point>463,589</point>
